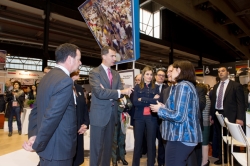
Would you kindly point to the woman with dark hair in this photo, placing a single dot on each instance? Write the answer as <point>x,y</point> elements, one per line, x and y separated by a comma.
<point>82,118</point>
<point>180,125</point>
<point>145,93</point>
<point>206,126</point>
<point>32,94</point>
<point>15,101</point>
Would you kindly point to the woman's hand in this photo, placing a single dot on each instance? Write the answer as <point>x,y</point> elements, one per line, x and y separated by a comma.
<point>82,129</point>
<point>156,107</point>
<point>156,96</point>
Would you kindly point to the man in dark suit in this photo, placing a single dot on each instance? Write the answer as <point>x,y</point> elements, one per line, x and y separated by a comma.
<point>228,100</point>
<point>106,88</point>
<point>52,122</point>
<point>159,79</point>
<point>165,93</point>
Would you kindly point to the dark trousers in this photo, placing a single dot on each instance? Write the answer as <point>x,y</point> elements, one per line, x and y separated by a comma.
<point>44,162</point>
<point>217,133</point>
<point>176,153</point>
<point>195,157</point>
<point>151,126</point>
<point>161,149</point>
<point>101,143</point>
<point>15,111</point>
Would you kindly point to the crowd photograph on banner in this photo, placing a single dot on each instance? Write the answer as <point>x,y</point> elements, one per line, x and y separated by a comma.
<point>111,24</point>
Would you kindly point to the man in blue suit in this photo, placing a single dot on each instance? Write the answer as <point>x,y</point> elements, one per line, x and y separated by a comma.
<point>106,88</point>
<point>52,122</point>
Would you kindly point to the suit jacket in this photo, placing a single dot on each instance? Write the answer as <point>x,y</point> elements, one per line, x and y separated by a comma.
<point>103,100</point>
<point>233,102</point>
<point>147,97</point>
<point>165,94</point>
<point>82,118</point>
<point>53,118</point>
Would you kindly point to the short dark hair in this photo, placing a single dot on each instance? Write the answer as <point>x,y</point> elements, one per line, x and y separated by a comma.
<point>164,71</point>
<point>223,67</point>
<point>17,83</point>
<point>187,71</point>
<point>65,50</point>
<point>105,50</point>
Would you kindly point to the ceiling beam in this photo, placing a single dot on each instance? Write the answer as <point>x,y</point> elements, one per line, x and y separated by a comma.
<point>225,9</point>
<point>185,8</point>
<point>244,12</point>
<point>40,12</point>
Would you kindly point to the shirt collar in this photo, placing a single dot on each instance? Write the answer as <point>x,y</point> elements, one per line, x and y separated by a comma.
<point>105,67</point>
<point>226,81</point>
<point>63,68</point>
<point>158,83</point>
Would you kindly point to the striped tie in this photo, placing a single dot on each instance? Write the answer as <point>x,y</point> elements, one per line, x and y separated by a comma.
<point>220,94</point>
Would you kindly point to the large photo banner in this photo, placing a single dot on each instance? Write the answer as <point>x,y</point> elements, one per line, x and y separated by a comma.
<point>114,23</point>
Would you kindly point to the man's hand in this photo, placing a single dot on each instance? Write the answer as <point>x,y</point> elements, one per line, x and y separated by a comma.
<point>127,91</point>
<point>28,144</point>
<point>82,129</point>
<point>240,122</point>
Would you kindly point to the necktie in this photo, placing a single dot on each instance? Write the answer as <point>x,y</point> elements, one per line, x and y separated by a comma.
<point>110,77</point>
<point>220,94</point>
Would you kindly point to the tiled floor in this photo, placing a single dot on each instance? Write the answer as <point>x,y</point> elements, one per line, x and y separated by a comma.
<point>14,143</point>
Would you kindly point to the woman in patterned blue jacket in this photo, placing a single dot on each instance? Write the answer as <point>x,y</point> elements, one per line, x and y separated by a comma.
<point>180,114</point>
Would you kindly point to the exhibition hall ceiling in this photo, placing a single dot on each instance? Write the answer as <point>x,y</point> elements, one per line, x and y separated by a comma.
<point>217,32</point>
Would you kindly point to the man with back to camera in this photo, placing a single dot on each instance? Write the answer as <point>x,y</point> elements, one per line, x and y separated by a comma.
<point>228,99</point>
<point>106,88</point>
<point>52,122</point>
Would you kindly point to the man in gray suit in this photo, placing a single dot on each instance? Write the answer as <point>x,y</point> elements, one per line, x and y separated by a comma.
<point>106,88</point>
<point>52,122</point>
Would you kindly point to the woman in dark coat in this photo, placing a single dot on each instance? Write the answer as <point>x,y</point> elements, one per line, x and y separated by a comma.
<point>82,119</point>
<point>15,99</point>
<point>32,93</point>
<point>145,93</point>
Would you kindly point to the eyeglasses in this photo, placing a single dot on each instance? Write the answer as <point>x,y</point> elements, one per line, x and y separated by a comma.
<point>160,75</point>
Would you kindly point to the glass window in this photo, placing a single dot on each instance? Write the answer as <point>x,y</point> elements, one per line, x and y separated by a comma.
<point>150,23</point>
<point>25,63</point>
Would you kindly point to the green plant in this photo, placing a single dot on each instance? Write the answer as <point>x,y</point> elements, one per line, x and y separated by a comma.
<point>30,102</point>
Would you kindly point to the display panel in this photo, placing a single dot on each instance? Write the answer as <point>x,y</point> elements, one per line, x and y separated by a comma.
<point>114,23</point>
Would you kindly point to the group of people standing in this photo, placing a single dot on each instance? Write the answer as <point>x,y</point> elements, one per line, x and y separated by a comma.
<point>171,113</point>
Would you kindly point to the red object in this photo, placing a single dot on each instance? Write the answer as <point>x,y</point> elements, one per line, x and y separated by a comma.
<point>146,111</point>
